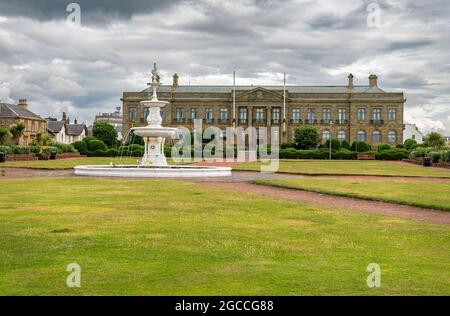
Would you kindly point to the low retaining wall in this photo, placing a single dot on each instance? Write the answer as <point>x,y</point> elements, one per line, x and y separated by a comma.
<point>21,157</point>
<point>32,157</point>
<point>69,155</point>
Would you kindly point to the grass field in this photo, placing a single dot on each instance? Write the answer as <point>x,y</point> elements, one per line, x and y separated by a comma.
<point>421,193</point>
<point>68,163</point>
<point>175,238</point>
<point>377,168</point>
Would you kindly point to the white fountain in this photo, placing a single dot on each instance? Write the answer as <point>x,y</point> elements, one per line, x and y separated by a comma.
<point>154,163</point>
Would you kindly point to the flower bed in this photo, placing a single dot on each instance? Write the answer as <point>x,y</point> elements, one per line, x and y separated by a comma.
<point>419,161</point>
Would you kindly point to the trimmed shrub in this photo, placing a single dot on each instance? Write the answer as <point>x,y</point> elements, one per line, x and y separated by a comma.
<point>434,156</point>
<point>382,147</point>
<point>445,156</point>
<point>392,154</point>
<point>360,147</point>
<point>418,153</point>
<point>63,148</point>
<point>410,144</point>
<point>113,152</point>
<point>80,146</point>
<point>316,154</point>
<point>335,144</point>
<point>287,145</point>
<point>95,145</point>
<point>345,144</point>
<point>135,147</point>
<point>6,149</point>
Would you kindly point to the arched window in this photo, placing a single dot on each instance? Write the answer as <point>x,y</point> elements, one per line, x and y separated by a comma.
<point>361,136</point>
<point>342,136</point>
<point>392,136</point>
<point>376,137</point>
<point>326,135</point>
<point>146,113</point>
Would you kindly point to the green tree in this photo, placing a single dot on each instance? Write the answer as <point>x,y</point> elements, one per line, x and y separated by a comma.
<point>4,135</point>
<point>410,144</point>
<point>105,132</point>
<point>434,140</point>
<point>17,131</point>
<point>306,137</point>
<point>43,140</point>
<point>335,144</point>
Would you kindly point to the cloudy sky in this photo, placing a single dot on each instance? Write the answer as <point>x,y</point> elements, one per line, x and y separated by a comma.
<point>59,66</point>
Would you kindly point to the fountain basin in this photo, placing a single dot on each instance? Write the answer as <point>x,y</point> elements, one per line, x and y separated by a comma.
<point>133,171</point>
<point>151,131</point>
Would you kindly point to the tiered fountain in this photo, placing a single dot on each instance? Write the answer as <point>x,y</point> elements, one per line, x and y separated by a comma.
<point>154,163</point>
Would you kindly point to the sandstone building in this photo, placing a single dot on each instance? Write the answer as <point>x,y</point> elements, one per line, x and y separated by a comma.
<point>13,114</point>
<point>350,112</point>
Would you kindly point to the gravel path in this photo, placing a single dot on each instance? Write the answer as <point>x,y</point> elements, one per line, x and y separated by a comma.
<point>382,208</point>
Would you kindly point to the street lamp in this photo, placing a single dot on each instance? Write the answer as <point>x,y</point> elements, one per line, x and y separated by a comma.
<point>331,126</point>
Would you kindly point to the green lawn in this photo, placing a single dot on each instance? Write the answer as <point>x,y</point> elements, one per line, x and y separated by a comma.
<point>326,167</point>
<point>177,238</point>
<point>68,163</point>
<point>421,193</point>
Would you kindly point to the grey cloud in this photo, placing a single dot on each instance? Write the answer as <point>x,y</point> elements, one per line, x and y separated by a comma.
<point>209,39</point>
<point>412,44</point>
<point>93,11</point>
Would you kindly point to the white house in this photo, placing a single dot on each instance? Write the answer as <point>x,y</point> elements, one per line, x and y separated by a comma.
<point>412,132</point>
<point>64,132</point>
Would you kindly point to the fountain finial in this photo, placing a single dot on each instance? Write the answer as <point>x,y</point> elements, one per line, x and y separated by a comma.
<point>155,81</point>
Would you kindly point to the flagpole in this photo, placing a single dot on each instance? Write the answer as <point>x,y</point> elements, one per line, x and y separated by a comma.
<point>234,99</point>
<point>284,103</point>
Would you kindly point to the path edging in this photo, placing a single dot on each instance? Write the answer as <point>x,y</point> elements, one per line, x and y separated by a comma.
<point>348,195</point>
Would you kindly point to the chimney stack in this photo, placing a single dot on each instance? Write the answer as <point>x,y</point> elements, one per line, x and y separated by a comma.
<point>373,81</point>
<point>350,81</point>
<point>64,117</point>
<point>75,121</point>
<point>175,81</point>
<point>23,103</point>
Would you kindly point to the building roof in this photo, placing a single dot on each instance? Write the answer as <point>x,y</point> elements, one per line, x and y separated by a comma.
<point>75,129</point>
<point>16,111</point>
<point>55,127</point>
<point>291,89</point>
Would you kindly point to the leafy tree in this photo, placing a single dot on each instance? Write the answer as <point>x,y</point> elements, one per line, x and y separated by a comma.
<point>360,147</point>
<point>434,140</point>
<point>42,140</point>
<point>105,132</point>
<point>17,131</point>
<point>4,135</point>
<point>306,137</point>
<point>410,144</point>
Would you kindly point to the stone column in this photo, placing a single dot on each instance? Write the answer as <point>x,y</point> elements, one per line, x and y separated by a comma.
<point>269,124</point>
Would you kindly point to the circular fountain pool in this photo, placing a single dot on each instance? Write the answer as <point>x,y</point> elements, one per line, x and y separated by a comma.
<point>152,171</point>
